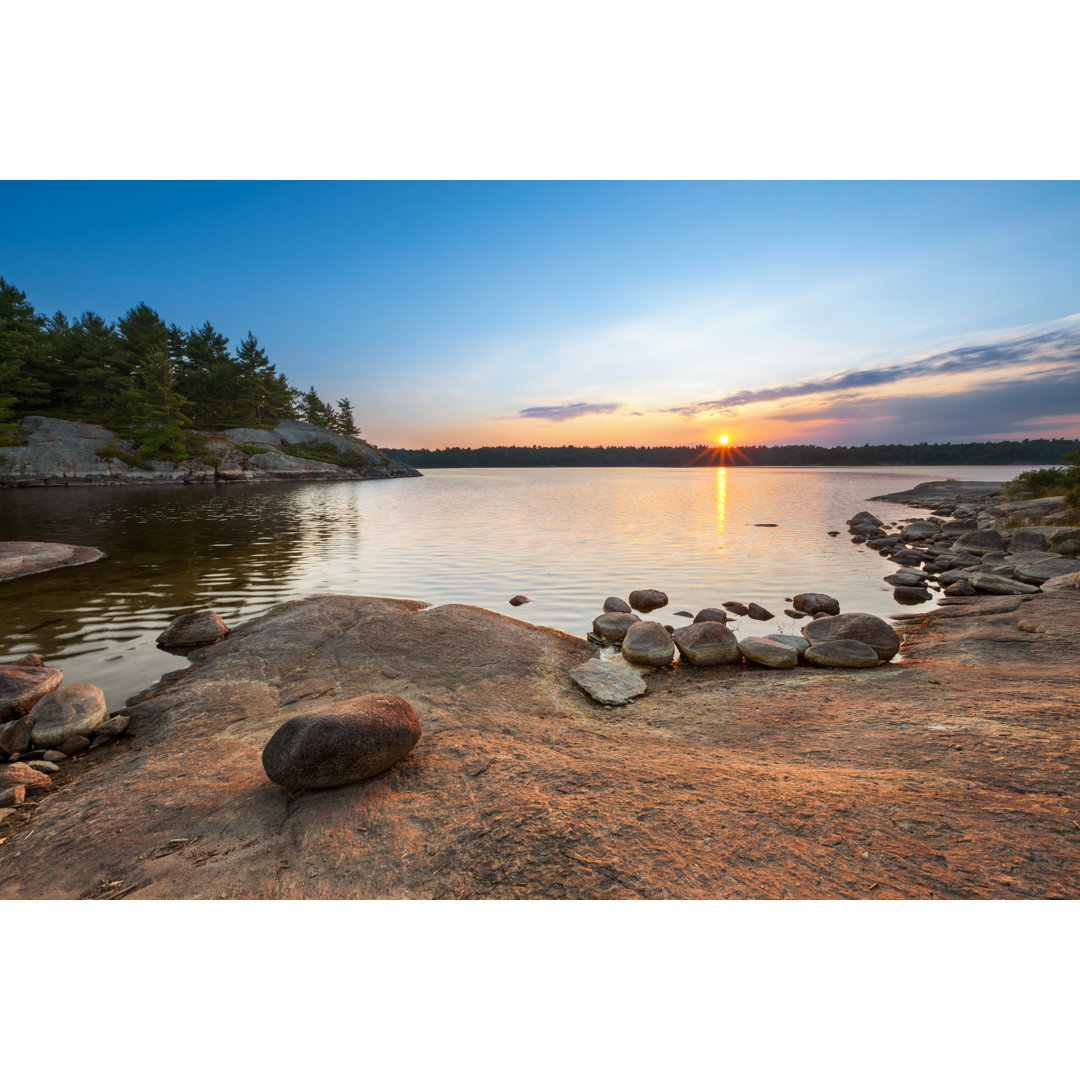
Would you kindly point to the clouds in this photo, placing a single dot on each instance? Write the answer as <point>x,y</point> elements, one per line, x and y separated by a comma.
<point>557,413</point>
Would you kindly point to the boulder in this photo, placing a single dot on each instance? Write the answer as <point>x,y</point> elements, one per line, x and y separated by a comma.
<point>909,578</point>
<point>857,625</point>
<point>842,652</point>
<point>768,652</point>
<point>910,594</point>
<point>646,600</point>
<point>864,517</point>
<point>814,602</point>
<point>735,607</point>
<point>1038,572</point>
<point>612,625</point>
<point>76,709</point>
<point>986,582</point>
<point>19,558</point>
<point>198,628</point>
<point>704,644</point>
<point>981,541</point>
<point>961,587</point>
<point>907,557</point>
<point>919,529</point>
<point>340,744</point>
<point>952,576</point>
<point>1029,540</point>
<point>15,736</point>
<point>21,686</point>
<point>795,641</point>
<point>614,603</point>
<point>711,614</point>
<point>648,643</point>
<point>608,683</point>
<point>756,611</point>
<point>19,774</point>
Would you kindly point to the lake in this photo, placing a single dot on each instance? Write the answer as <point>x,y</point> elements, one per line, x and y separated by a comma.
<point>566,538</point>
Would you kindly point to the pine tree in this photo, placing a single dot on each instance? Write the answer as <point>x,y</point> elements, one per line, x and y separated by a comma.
<point>345,414</point>
<point>158,410</point>
<point>209,377</point>
<point>22,354</point>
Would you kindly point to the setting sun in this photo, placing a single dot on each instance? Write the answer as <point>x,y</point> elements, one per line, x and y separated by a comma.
<point>723,440</point>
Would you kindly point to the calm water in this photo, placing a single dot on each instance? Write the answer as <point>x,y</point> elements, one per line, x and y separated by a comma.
<point>567,538</point>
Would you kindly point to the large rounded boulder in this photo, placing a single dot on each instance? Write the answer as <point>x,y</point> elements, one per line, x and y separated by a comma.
<point>856,626</point>
<point>341,744</point>
<point>768,653</point>
<point>842,652</point>
<point>616,603</point>
<point>646,600</point>
<point>612,625</point>
<point>815,603</point>
<point>75,709</point>
<point>648,643</point>
<point>704,644</point>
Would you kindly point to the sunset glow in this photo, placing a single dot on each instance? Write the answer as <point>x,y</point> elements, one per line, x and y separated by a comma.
<point>723,440</point>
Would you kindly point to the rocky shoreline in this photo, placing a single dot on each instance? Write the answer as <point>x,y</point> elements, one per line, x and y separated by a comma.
<point>950,771</point>
<point>63,453</point>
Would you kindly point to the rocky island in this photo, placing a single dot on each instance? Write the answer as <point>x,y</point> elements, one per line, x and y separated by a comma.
<point>948,770</point>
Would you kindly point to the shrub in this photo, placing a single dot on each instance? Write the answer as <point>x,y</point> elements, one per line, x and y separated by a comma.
<point>326,451</point>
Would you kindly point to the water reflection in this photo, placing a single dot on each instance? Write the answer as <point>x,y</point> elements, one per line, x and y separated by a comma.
<point>721,508</point>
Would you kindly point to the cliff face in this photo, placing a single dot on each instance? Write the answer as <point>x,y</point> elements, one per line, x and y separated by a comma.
<point>62,452</point>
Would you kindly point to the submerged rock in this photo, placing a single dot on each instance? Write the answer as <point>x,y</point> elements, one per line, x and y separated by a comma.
<point>608,683</point>
<point>648,643</point>
<point>707,643</point>
<point>341,744</point>
<point>199,628</point>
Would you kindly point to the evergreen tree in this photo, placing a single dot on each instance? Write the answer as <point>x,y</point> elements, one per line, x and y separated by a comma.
<point>316,411</point>
<point>95,373</point>
<point>209,377</point>
<point>157,410</point>
<point>142,331</point>
<point>22,354</point>
<point>347,425</point>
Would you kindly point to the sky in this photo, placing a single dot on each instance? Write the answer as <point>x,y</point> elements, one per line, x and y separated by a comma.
<point>642,313</point>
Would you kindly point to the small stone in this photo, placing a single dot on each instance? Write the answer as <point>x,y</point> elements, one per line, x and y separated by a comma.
<point>756,611</point>
<point>765,525</point>
<point>769,653</point>
<point>711,614</point>
<point>910,594</point>
<point>15,737</point>
<point>30,660</point>
<point>19,773</point>
<point>73,744</point>
<point>833,532</point>
<point>612,625</point>
<point>77,709</point>
<point>813,602</point>
<point>735,607</point>
<point>791,613</point>
<point>962,587</point>
<point>614,603</point>
<point>517,601</point>
<point>341,744</point>
<point>115,725</point>
<point>907,557</point>
<point>608,683</point>
<point>842,652</point>
<point>646,600</point>
<point>648,643</point>
<point>705,644</point>
<point>684,614</point>
<point>54,755</point>
<point>12,796</point>
<point>198,628</point>
<point>44,766</point>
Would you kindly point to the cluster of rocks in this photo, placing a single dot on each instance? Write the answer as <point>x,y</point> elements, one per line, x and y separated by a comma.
<point>852,640</point>
<point>64,452</point>
<point>968,554</point>
<point>42,724</point>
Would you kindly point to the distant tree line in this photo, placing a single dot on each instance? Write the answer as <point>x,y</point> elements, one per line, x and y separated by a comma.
<point>1004,452</point>
<point>151,380</point>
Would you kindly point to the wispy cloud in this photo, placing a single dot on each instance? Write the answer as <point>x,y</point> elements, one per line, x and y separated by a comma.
<point>1047,356</point>
<point>556,413</point>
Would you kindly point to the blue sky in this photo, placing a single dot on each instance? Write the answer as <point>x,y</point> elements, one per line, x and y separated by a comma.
<point>467,313</point>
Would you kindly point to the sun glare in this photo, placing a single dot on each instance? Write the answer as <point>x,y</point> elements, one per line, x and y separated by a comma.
<point>723,440</point>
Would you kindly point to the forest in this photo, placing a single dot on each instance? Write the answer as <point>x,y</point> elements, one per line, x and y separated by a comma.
<point>153,381</point>
<point>1005,452</point>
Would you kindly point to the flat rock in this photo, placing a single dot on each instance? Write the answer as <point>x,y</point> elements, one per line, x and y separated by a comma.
<point>608,683</point>
<point>615,603</point>
<point>75,709</point>
<point>707,643</point>
<point>768,652</point>
<point>340,744</point>
<point>842,652</point>
<point>814,602</point>
<point>646,600</point>
<point>612,625</point>
<point>791,613</point>
<point>857,625</point>
<point>1036,573</point>
<point>648,643</point>
<point>960,587</point>
<point>987,582</point>
<point>17,558</point>
<point>934,492</point>
<point>198,628</point>
<point>22,686</point>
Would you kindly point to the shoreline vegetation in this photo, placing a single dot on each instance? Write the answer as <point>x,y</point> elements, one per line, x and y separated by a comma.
<point>948,773</point>
<point>1051,452</point>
